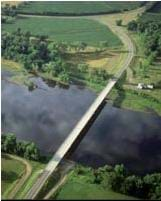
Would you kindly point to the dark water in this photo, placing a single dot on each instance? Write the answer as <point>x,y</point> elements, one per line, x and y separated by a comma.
<point>48,114</point>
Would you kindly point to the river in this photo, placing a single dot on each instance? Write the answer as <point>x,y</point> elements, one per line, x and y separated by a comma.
<point>47,114</point>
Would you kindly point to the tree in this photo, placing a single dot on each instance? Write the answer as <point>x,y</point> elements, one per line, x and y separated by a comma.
<point>119,22</point>
<point>9,143</point>
<point>132,25</point>
<point>101,174</point>
<point>32,152</point>
<point>64,76</point>
<point>153,182</point>
<point>133,185</point>
<point>83,68</point>
<point>21,147</point>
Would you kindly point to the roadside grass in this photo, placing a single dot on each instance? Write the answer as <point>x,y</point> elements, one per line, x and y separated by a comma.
<point>77,187</point>
<point>37,167</point>
<point>68,30</point>
<point>76,8</point>
<point>11,171</point>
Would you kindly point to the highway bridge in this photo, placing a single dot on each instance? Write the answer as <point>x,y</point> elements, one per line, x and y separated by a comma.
<point>71,138</point>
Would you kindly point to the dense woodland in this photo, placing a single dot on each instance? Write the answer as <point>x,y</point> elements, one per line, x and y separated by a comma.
<point>26,149</point>
<point>149,26</point>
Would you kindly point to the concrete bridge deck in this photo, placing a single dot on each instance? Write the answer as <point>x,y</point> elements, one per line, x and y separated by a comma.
<point>66,145</point>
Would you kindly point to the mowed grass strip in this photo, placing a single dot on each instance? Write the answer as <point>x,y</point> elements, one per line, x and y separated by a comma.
<point>75,8</point>
<point>68,30</point>
<point>11,171</point>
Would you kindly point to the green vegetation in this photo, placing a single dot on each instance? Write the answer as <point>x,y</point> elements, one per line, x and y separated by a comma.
<point>74,190</point>
<point>75,8</point>
<point>68,30</point>
<point>104,182</point>
<point>11,171</point>
<point>118,22</point>
<point>46,59</point>
<point>25,149</point>
<point>37,168</point>
<point>146,67</point>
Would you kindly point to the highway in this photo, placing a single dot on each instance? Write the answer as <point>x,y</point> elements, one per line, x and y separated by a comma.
<point>66,145</point>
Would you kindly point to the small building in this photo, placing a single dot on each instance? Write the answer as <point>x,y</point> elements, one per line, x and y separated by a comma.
<point>145,86</point>
<point>140,86</point>
<point>150,86</point>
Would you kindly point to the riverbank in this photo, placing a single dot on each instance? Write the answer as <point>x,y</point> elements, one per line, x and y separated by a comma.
<point>108,183</point>
<point>21,76</point>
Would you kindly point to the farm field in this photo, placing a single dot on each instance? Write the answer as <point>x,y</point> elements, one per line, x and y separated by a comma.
<point>76,8</point>
<point>69,30</point>
<point>11,171</point>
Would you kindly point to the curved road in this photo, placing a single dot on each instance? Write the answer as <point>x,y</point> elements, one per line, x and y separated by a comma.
<point>66,145</point>
<point>21,181</point>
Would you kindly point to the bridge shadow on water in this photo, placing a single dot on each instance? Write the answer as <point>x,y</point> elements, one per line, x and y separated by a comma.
<point>85,130</point>
<point>118,101</point>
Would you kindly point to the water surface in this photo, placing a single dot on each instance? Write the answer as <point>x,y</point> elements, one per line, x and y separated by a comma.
<point>47,115</point>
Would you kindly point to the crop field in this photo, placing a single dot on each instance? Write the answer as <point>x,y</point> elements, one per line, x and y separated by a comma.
<point>75,8</point>
<point>69,30</point>
<point>11,171</point>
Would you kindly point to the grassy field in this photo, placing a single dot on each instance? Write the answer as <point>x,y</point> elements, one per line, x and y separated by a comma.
<point>69,30</point>
<point>77,188</point>
<point>50,8</point>
<point>11,171</point>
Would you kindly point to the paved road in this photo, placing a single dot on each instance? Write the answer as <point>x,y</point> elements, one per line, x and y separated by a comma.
<point>66,145</point>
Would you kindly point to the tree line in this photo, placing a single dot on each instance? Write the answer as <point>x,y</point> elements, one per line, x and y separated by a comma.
<point>150,29</point>
<point>26,149</point>
<point>118,179</point>
<point>8,13</point>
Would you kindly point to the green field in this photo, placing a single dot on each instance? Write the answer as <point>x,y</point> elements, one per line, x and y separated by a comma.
<point>68,30</point>
<point>76,8</point>
<point>11,170</point>
<point>78,188</point>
